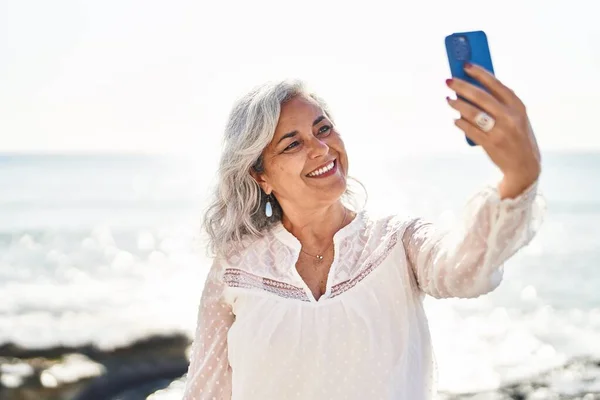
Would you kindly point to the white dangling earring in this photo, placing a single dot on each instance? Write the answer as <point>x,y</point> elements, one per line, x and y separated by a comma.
<point>268,207</point>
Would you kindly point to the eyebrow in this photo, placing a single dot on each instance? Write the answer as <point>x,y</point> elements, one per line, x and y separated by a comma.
<point>294,133</point>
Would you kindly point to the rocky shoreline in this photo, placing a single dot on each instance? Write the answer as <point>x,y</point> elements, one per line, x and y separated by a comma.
<point>153,368</point>
<point>88,373</point>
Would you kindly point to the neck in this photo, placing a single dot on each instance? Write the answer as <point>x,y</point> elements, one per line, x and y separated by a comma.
<point>315,228</point>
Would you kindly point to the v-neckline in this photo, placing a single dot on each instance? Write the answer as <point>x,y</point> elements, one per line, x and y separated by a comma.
<point>286,237</point>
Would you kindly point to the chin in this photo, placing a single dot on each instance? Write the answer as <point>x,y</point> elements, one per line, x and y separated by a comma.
<point>335,191</point>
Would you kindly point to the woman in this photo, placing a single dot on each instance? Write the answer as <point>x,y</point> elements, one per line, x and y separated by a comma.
<point>308,299</point>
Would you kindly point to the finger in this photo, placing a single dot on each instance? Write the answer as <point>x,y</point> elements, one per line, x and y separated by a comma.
<point>467,111</point>
<point>493,84</point>
<point>472,132</point>
<point>479,97</point>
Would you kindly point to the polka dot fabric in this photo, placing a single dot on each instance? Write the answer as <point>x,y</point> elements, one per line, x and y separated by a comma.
<point>261,334</point>
<point>209,374</point>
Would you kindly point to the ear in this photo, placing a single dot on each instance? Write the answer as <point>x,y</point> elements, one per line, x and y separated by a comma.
<point>260,179</point>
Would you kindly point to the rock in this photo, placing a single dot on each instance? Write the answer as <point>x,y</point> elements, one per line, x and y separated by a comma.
<point>89,373</point>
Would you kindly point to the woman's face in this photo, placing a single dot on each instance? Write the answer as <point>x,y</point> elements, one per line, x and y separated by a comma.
<point>305,165</point>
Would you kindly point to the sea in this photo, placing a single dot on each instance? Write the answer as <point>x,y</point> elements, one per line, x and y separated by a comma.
<point>106,249</point>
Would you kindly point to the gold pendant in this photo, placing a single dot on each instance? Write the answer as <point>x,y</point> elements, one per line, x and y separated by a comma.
<point>319,258</point>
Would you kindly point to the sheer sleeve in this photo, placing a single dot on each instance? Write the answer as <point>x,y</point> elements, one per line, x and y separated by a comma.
<point>209,373</point>
<point>467,260</point>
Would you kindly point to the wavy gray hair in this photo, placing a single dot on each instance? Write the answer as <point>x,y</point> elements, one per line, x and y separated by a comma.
<point>236,211</point>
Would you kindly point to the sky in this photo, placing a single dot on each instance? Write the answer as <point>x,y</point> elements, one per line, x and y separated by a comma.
<point>156,76</point>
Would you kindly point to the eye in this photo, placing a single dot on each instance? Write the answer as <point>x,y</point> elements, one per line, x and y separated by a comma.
<point>324,129</point>
<point>291,146</point>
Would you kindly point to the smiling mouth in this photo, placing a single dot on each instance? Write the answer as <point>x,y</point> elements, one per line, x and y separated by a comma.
<point>323,170</point>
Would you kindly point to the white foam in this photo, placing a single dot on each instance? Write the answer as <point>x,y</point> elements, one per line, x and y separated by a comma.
<point>72,368</point>
<point>96,292</point>
<point>13,375</point>
<point>490,346</point>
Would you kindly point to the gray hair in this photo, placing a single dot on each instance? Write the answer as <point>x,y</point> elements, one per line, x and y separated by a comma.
<point>236,210</point>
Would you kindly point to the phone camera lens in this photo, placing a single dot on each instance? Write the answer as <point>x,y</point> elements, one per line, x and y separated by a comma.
<point>462,49</point>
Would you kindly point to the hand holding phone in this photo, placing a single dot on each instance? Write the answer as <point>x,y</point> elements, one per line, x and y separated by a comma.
<point>468,47</point>
<point>492,114</point>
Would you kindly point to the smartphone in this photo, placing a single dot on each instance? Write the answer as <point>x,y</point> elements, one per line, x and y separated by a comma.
<point>472,47</point>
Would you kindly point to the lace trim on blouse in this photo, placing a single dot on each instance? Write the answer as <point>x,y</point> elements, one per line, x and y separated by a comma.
<point>234,277</point>
<point>363,246</point>
<point>370,267</point>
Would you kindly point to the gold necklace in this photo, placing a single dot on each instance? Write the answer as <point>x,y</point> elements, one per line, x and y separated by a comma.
<point>320,257</point>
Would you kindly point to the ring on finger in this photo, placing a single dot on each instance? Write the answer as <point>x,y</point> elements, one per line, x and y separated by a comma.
<point>484,121</point>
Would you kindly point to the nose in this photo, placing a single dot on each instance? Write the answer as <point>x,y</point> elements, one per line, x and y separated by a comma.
<point>317,148</point>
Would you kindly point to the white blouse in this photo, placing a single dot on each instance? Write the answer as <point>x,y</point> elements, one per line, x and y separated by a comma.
<point>262,335</point>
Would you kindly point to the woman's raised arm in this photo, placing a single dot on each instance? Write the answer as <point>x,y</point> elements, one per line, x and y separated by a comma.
<point>467,261</point>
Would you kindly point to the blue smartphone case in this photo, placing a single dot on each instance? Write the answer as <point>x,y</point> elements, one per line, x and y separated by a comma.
<point>472,47</point>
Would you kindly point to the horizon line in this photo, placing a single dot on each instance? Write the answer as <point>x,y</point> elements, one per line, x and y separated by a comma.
<point>66,153</point>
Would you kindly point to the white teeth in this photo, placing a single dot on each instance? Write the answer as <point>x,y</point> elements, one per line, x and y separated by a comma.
<point>321,171</point>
